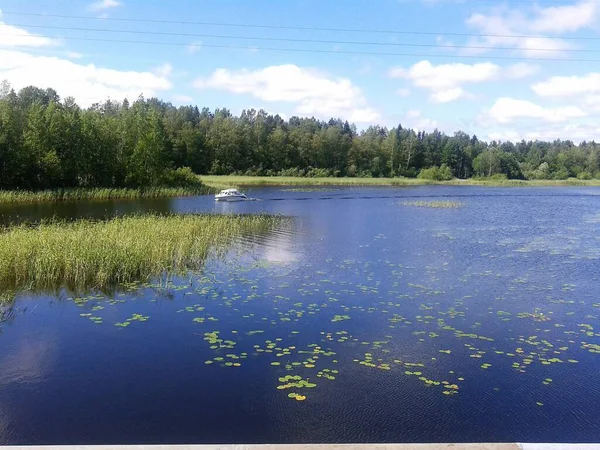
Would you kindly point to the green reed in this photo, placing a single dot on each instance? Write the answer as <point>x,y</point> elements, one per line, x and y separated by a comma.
<point>100,254</point>
<point>434,204</point>
<point>62,195</point>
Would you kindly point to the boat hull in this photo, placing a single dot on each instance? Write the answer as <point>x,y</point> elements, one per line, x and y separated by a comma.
<point>230,198</point>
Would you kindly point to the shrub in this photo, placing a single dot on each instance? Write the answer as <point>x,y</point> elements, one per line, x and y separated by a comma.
<point>292,172</point>
<point>443,173</point>
<point>411,172</point>
<point>352,170</point>
<point>316,172</point>
<point>182,177</point>
<point>561,174</point>
<point>584,176</point>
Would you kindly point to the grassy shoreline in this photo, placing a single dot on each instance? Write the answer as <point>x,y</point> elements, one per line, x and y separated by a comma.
<point>101,254</point>
<point>223,181</point>
<point>63,195</point>
<point>214,183</point>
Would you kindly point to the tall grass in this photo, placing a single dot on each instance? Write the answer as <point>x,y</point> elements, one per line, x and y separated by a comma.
<point>222,182</point>
<point>86,254</point>
<point>61,195</point>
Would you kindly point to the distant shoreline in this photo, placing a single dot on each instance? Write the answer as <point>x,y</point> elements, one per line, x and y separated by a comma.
<point>214,183</point>
<point>225,181</point>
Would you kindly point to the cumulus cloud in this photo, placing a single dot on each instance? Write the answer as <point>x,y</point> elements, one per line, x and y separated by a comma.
<point>88,84</point>
<point>520,70</point>
<point>11,36</point>
<point>414,119</point>
<point>164,70</point>
<point>103,5</point>
<point>577,132</point>
<point>444,81</point>
<point>569,86</point>
<point>565,18</point>
<point>313,92</point>
<point>506,110</point>
<point>183,99</point>
<point>539,22</point>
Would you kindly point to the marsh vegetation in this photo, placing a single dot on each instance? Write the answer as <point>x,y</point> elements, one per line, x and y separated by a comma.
<point>100,254</point>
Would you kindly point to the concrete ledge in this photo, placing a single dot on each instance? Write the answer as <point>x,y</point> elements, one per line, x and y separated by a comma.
<point>472,446</point>
<point>457,446</point>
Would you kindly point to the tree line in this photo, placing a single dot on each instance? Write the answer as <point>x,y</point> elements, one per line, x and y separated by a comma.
<point>46,142</point>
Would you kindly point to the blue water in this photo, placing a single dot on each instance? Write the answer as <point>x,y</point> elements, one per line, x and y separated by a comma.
<point>509,279</point>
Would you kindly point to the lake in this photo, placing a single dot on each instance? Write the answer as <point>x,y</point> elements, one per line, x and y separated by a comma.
<point>367,320</point>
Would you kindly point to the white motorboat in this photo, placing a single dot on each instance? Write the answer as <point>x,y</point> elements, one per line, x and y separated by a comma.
<point>230,195</point>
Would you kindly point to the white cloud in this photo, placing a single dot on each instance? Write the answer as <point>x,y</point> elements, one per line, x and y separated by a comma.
<point>520,70</point>
<point>449,95</point>
<point>164,70</point>
<point>403,92</point>
<point>425,74</point>
<point>506,110</point>
<point>577,132</point>
<point>183,99</point>
<point>194,47</point>
<point>504,23</point>
<point>313,92</point>
<point>444,81</point>
<point>561,87</point>
<point>565,18</point>
<point>103,5</point>
<point>87,83</point>
<point>11,36</point>
<point>414,119</point>
<point>74,55</point>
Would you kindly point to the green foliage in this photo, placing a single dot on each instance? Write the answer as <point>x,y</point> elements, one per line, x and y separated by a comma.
<point>443,173</point>
<point>60,195</point>
<point>46,143</point>
<point>86,253</point>
<point>221,182</point>
<point>584,176</point>
<point>181,177</point>
<point>560,174</point>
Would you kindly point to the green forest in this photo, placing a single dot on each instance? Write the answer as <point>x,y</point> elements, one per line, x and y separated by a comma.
<point>47,142</point>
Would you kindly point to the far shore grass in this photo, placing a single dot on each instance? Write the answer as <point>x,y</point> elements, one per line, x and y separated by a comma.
<point>62,195</point>
<point>225,181</point>
<point>101,254</point>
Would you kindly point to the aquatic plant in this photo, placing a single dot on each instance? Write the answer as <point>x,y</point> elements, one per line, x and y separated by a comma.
<point>62,195</point>
<point>434,204</point>
<point>99,254</point>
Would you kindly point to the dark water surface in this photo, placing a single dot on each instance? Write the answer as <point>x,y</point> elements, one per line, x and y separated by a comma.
<point>477,323</point>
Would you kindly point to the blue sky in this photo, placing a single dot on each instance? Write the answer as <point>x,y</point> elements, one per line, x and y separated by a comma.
<point>449,65</point>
